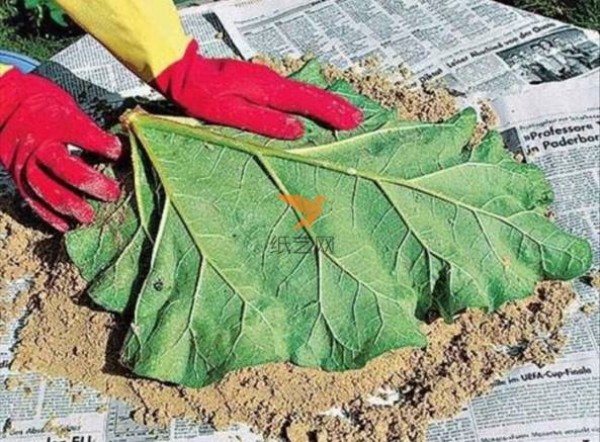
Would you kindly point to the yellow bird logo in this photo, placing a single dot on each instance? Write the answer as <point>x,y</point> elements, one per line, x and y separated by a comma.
<point>310,209</point>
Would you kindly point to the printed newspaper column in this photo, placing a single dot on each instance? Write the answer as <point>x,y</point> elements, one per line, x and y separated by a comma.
<point>475,47</point>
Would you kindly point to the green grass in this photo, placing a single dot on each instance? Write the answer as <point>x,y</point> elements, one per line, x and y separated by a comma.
<point>40,47</point>
<point>23,32</point>
<point>584,13</point>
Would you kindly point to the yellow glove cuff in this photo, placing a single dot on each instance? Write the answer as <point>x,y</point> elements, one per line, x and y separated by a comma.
<point>145,35</point>
<point>4,68</point>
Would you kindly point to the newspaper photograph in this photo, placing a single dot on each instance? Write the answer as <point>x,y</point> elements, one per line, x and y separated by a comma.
<point>542,77</point>
<point>557,56</point>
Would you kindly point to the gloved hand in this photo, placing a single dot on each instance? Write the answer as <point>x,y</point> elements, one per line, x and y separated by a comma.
<point>250,96</point>
<point>149,38</point>
<point>37,121</point>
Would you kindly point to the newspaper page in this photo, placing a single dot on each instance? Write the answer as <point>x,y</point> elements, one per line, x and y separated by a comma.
<point>476,47</point>
<point>480,48</point>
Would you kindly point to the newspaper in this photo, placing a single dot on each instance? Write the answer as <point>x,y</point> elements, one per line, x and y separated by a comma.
<point>475,47</point>
<point>480,49</point>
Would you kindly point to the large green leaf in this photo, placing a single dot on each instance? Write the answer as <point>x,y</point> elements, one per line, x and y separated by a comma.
<point>418,222</point>
<point>116,245</point>
<point>113,253</point>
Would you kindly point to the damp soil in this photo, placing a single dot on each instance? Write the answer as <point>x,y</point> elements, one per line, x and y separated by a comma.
<point>393,398</point>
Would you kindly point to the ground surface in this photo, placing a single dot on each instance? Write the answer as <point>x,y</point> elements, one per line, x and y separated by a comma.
<point>28,33</point>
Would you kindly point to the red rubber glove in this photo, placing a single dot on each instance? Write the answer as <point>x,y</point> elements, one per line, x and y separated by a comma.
<point>37,121</point>
<point>250,96</point>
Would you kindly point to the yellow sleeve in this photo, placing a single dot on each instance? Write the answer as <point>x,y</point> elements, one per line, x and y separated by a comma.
<point>4,68</point>
<point>145,35</point>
